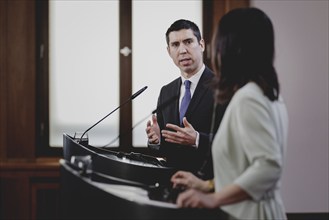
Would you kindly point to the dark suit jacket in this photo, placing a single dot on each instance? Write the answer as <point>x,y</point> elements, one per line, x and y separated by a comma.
<point>199,114</point>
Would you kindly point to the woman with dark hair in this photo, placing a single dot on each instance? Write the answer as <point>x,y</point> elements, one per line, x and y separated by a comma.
<point>249,146</point>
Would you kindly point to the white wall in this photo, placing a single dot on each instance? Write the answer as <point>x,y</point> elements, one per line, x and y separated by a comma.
<point>301,31</point>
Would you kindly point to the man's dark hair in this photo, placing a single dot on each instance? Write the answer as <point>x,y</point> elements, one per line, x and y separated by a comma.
<point>183,24</point>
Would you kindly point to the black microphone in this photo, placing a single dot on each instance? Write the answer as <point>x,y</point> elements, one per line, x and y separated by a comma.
<point>129,99</point>
<point>138,92</point>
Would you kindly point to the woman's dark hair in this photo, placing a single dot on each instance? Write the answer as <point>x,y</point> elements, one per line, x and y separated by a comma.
<point>243,51</point>
<point>183,24</point>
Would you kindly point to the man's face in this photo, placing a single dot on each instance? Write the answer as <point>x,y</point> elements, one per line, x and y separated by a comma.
<point>186,52</point>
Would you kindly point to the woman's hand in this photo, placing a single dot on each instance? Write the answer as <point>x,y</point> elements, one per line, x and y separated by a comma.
<point>183,179</point>
<point>229,194</point>
<point>195,199</point>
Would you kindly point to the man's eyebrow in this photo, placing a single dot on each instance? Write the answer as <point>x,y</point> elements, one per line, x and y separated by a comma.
<point>174,42</point>
<point>186,39</point>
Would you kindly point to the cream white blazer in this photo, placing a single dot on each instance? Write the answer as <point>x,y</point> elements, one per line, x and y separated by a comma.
<point>249,150</point>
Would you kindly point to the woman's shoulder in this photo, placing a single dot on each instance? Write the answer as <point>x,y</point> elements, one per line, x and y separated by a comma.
<point>249,91</point>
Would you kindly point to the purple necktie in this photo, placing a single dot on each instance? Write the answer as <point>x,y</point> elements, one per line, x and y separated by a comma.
<point>185,101</point>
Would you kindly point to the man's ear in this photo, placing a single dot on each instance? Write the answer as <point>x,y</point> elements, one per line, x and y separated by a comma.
<point>202,44</point>
<point>168,50</point>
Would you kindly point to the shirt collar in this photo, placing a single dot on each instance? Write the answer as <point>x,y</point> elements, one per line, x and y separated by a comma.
<point>196,77</point>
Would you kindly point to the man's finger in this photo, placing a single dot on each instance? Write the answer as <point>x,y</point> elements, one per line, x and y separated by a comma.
<point>186,123</point>
<point>174,127</point>
<point>154,119</point>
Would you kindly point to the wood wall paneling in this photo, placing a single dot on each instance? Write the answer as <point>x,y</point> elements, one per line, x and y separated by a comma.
<point>125,75</point>
<point>20,77</point>
<point>14,197</point>
<point>3,79</point>
<point>213,10</point>
<point>41,206</point>
<point>29,190</point>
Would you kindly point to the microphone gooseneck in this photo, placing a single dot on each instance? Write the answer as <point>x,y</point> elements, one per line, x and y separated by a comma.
<point>159,108</point>
<point>124,103</point>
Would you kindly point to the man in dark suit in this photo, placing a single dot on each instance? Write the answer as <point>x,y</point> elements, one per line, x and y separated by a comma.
<point>185,143</point>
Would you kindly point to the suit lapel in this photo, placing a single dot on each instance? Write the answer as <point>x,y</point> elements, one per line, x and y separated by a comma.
<point>199,92</point>
<point>175,106</point>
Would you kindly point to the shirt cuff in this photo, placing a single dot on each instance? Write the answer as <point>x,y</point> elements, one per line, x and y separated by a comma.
<point>153,146</point>
<point>197,140</point>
